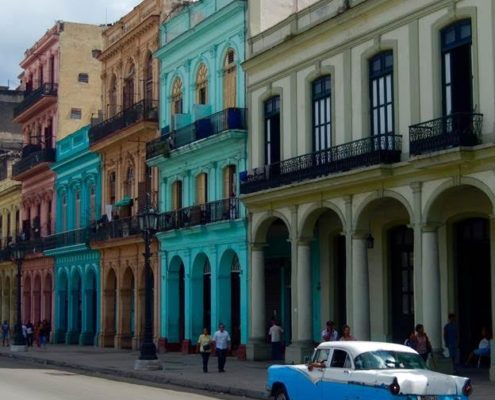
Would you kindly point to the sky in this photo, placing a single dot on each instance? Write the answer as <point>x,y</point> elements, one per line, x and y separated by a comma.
<point>23,22</point>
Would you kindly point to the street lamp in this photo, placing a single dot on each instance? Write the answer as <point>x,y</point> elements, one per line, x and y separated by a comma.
<point>148,223</point>
<point>17,255</point>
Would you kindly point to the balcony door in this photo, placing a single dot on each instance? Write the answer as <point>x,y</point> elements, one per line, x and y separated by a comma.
<point>456,68</point>
<point>272,130</point>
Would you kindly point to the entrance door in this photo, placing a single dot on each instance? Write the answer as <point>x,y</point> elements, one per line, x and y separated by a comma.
<point>401,247</point>
<point>235,304</point>
<point>472,246</point>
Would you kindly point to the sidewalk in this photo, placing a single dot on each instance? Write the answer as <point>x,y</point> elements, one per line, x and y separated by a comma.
<point>243,378</point>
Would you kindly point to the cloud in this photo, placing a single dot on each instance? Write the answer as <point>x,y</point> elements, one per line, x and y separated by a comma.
<point>22,23</point>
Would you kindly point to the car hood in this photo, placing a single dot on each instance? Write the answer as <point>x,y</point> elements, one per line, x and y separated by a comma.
<point>414,381</point>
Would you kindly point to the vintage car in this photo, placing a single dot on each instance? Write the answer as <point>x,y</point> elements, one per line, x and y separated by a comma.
<point>364,370</point>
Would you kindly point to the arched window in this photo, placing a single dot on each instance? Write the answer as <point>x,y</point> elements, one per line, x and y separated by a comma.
<point>229,182</point>
<point>112,97</point>
<point>202,188</point>
<point>177,97</point>
<point>202,85</point>
<point>111,187</point>
<point>177,195</point>
<point>229,80</point>
<point>128,92</point>
<point>322,120</point>
<point>381,68</point>
<point>148,79</point>
<point>129,182</point>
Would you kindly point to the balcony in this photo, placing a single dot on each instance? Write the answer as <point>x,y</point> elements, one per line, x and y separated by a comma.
<point>141,111</point>
<point>115,229</point>
<point>378,149</point>
<point>459,129</point>
<point>69,238</point>
<point>215,211</point>
<point>44,95</point>
<point>31,160</point>
<point>228,119</point>
<point>5,254</point>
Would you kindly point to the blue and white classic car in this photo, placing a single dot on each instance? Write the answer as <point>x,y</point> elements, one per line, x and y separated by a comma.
<point>364,370</point>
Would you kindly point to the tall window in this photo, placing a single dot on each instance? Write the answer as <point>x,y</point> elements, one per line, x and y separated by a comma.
<point>202,85</point>
<point>177,97</point>
<point>148,79</point>
<point>229,183</point>
<point>128,93</point>
<point>272,130</point>
<point>41,75</point>
<point>112,97</point>
<point>111,187</point>
<point>177,195</point>
<point>202,188</point>
<point>456,68</point>
<point>229,80</point>
<point>322,119</point>
<point>9,227</point>
<point>52,69</point>
<point>129,182</point>
<point>77,222</point>
<point>64,212</point>
<point>381,93</point>
<point>92,202</point>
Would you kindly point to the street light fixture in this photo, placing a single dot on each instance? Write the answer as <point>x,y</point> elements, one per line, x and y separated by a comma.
<point>17,255</point>
<point>148,360</point>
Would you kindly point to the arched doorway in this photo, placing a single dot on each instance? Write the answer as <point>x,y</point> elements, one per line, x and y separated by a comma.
<point>175,303</point>
<point>110,309</point>
<point>128,313</point>
<point>27,299</point>
<point>37,299</point>
<point>91,310</point>
<point>201,295</point>
<point>75,307</point>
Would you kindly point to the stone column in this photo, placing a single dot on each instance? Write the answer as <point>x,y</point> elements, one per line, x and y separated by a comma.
<point>360,287</point>
<point>257,348</point>
<point>431,286</point>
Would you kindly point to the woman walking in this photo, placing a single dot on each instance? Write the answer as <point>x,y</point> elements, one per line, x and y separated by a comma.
<point>204,348</point>
<point>423,345</point>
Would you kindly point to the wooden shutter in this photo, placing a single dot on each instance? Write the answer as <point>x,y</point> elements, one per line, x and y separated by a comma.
<point>201,189</point>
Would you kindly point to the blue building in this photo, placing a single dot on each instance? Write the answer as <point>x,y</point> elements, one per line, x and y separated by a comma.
<point>76,270</point>
<point>203,227</point>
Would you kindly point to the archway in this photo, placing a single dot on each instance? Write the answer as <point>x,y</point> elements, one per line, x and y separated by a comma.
<point>91,310</point>
<point>201,295</point>
<point>75,308</point>
<point>37,299</point>
<point>110,309</point>
<point>27,299</point>
<point>128,312</point>
<point>175,303</point>
<point>61,322</point>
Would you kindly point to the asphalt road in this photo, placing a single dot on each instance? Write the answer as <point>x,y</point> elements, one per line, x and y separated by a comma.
<point>20,381</point>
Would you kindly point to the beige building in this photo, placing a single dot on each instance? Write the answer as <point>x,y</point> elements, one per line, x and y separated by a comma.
<point>129,77</point>
<point>372,159</point>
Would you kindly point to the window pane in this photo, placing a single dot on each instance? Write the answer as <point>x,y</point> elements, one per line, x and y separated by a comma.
<point>390,127</point>
<point>322,111</point>
<point>448,68</point>
<point>381,91</point>
<point>448,99</point>
<point>375,121</point>
<point>465,31</point>
<point>317,139</point>
<point>382,120</point>
<point>389,88</point>
<point>317,113</point>
<point>375,93</point>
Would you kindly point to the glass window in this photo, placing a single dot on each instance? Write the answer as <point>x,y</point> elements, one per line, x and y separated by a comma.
<point>385,359</point>
<point>272,130</point>
<point>202,85</point>
<point>381,93</point>
<point>111,187</point>
<point>321,355</point>
<point>75,113</point>
<point>177,97</point>
<point>83,78</point>
<point>230,80</point>
<point>128,90</point>
<point>322,120</point>
<point>340,359</point>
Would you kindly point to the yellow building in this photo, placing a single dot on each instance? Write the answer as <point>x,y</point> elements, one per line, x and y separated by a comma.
<point>372,160</point>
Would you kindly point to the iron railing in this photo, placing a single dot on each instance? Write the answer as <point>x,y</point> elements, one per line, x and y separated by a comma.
<point>30,246</point>
<point>117,228</point>
<point>5,254</point>
<point>459,129</point>
<point>214,211</point>
<point>68,238</point>
<point>144,110</point>
<point>46,89</point>
<point>378,149</point>
<point>33,159</point>
<point>228,119</point>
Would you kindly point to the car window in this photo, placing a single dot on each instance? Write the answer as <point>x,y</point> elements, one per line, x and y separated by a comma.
<point>321,355</point>
<point>384,359</point>
<point>340,359</point>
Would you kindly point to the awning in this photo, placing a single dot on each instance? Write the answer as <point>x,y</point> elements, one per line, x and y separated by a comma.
<point>124,202</point>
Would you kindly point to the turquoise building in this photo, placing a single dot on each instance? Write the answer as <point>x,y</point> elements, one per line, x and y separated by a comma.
<point>202,148</point>
<point>76,270</point>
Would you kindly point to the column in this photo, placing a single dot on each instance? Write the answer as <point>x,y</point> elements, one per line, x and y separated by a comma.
<point>304,296</point>
<point>44,217</point>
<point>4,228</point>
<point>431,286</point>
<point>360,287</point>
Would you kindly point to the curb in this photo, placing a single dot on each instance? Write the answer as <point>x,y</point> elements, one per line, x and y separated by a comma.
<point>214,388</point>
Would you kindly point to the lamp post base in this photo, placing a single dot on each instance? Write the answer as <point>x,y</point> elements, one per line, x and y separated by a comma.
<point>18,348</point>
<point>148,365</point>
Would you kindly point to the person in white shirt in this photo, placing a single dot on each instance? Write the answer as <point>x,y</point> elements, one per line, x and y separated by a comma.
<point>275,333</point>
<point>221,338</point>
<point>329,334</point>
<point>483,349</point>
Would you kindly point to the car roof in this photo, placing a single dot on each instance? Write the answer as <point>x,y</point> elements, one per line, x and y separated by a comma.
<point>358,347</point>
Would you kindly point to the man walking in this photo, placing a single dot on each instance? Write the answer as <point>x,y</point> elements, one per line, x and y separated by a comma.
<point>221,338</point>
<point>450,337</point>
<point>5,333</point>
<point>275,334</point>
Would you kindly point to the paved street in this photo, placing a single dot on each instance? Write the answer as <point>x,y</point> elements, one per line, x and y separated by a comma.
<point>181,372</point>
<point>23,380</point>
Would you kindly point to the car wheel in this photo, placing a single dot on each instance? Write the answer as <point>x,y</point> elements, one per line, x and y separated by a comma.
<point>281,394</point>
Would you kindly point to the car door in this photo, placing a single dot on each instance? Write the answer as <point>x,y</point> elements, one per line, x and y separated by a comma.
<point>337,375</point>
<point>321,356</point>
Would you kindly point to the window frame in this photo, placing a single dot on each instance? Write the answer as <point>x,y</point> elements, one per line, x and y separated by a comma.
<point>324,97</point>
<point>385,72</point>
<point>271,109</point>
<point>75,113</point>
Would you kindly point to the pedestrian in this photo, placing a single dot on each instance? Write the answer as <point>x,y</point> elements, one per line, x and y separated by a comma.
<point>275,333</point>
<point>346,333</point>
<point>329,334</point>
<point>43,334</point>
<point>423,344</point>
<point>37,329</point>
<point>5,333</point>
<point>411,340</point>
<point>450,337</point>
<point>204,348</point>
<point>29,333</point>
<point>221,339</point>
<point>48,330</point>
<point>483,349</point>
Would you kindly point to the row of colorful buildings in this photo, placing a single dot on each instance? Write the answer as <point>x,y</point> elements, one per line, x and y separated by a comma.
<point>310,160</point>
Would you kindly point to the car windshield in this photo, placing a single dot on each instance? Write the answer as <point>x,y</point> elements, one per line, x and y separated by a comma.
<point>385,359</point>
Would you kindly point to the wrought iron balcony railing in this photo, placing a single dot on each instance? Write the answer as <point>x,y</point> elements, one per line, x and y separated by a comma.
<point>228,119</point>
<point>144,110</point>
<point>378,149</point>
<point>459,129</point>
<point>117,228</point>
<point>214,211</point>
<point>33,159</point>
<point>46,89</point>
<point>63,239</point>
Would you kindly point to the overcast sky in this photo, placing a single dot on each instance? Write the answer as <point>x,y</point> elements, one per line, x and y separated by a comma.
<point>23,22</point>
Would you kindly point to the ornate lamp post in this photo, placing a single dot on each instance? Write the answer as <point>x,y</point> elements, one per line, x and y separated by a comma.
<point>148,223</point>
<point>17,255</point>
